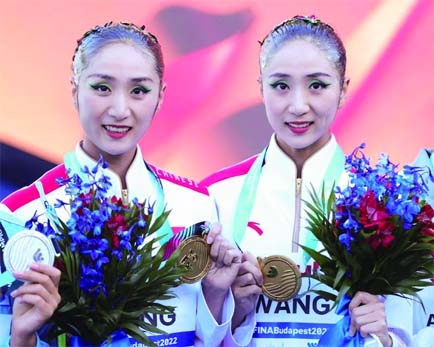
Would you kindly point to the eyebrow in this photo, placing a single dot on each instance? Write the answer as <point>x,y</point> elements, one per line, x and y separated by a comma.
<point>111,78</point>
<point>312,75</point>
<point>319,74</point>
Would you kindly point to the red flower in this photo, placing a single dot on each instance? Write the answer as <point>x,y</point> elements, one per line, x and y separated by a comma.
<point>383,239</point>
<point>116,224</point>
<point>85,202</point>
<point>428,231</point>
<point>374,217</point>
<point>426,215</point>
<point>114,199</point>
<point>118,202</point>
<point>115,240</point>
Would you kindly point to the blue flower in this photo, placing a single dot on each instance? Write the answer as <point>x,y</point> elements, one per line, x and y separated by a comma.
<point>376,231</point>
<point>346,240</point>
<point>102,245</point>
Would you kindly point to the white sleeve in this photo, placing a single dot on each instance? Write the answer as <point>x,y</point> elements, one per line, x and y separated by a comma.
<point>242,335</point>
<point>208,332</point>
<point>399,312</point>
<point>424,311</point>
<point>424,338</point>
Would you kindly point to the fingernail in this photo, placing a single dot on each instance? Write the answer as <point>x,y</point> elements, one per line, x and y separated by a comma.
<point>209,239</point>
<point>34,266</point>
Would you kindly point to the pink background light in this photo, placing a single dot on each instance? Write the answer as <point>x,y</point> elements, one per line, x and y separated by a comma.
<point>212,114</point>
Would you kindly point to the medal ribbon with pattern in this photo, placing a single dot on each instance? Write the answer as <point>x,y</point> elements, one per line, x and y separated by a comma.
<point>200,229</point>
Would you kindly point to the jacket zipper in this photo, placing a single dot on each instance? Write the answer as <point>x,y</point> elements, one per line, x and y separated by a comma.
<point>124,195</point>
<point>297,216</point>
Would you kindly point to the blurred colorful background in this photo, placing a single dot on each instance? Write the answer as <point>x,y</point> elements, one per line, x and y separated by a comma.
<point>212,114</point>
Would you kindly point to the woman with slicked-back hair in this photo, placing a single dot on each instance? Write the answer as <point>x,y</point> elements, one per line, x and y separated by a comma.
<point>261,201</point>
<point>117,88</point>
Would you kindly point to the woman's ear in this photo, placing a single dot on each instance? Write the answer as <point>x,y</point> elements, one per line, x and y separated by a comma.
<point>344,92</point>
<point>259,79</point>
<point>74,92</point>
<point>160,97</point>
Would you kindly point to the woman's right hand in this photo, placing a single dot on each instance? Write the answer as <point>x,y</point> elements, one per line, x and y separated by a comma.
<point>35,302</point>
<point>368,316</point>
<point>246,288</point>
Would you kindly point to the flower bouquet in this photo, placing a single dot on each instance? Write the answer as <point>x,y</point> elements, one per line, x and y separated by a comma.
<point>377,234</point>
<point>113,268</point>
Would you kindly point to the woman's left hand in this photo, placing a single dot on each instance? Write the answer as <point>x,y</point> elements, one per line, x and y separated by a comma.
<point>226,260</point>
<point>368,316</point>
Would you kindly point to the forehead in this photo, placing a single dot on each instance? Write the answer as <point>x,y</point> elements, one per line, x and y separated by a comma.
<point>122,57</point>
<point>297,56</point>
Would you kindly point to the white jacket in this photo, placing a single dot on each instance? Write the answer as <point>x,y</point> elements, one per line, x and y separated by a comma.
<point>192,323</point>
<point>276,218</point>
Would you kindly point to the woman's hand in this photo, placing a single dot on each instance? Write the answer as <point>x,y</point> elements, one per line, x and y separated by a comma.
<point>226,260</point>
<point>246,288</point>
<point>35,302</point>
<point>368,316</point>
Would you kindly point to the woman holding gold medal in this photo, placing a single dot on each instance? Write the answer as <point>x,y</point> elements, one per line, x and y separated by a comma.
<point>117,88</point>
<point>261,200</point>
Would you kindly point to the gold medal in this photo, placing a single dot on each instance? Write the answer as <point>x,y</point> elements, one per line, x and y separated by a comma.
<point>194,254</point>
<point>282,278</point>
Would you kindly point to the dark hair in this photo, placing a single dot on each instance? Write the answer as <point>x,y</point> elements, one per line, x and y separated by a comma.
<point>306,28</point>
<point>101,36</point>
